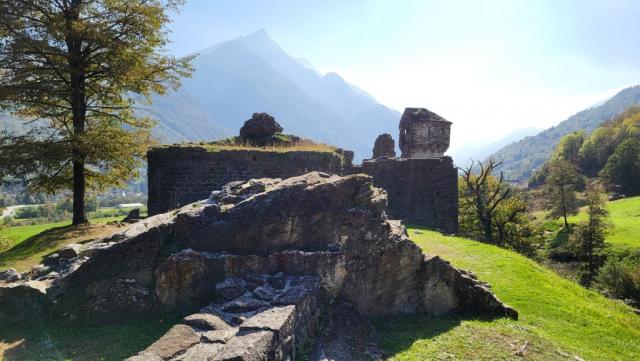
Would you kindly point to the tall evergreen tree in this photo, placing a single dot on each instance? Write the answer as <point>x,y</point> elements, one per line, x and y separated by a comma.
<point>589,236</point>
<point>78,67</point>
<point>560,189</point>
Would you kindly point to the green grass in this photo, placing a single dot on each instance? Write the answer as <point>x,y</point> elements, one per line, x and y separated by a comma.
<point>625,216</point>
<point>21,233</point>
<point>32,243</point>
<point>558,318</point>
<point>48,341</point>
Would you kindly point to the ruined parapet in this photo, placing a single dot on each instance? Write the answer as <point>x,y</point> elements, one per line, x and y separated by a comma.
<point>183,174</point>
<point>421,191</point>
<point>384,147</point>
<point>423,134</point>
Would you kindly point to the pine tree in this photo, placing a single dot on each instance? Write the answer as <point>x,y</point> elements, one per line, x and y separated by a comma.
<point>76,69</point>
<point>589,237</point>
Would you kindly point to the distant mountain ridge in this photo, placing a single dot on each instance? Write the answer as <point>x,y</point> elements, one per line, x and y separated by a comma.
<point>522,158</point>
<point>236,78</point>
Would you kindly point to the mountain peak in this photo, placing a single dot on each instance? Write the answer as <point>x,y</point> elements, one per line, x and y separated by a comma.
<point>259,35</point>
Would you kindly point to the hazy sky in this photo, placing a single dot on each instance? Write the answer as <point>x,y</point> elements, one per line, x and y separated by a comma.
<point>488,66</point>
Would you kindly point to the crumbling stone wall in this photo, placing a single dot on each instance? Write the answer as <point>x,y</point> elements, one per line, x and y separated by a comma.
<point>421,191</point>
<point>181,175</point>
<point>423,134</point>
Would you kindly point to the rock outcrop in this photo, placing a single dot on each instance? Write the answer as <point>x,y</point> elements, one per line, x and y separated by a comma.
<point>384,147</point>
<point>252,263</point>
<point>259,129</point>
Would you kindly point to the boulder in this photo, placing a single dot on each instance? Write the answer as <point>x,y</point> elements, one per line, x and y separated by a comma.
<point>69,251</point>
<point>260,127</point>
<point>10,275</point>
<point>384,147</point>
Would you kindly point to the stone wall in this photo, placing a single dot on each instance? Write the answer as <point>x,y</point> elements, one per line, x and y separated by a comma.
<point>181,175</point>
<point>421,191</point>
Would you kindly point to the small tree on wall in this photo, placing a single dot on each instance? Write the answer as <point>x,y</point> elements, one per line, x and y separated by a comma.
<point>78,67</point>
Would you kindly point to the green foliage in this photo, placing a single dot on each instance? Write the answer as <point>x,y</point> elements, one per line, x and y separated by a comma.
<point>492,211</point>
<point>568,147</point>
<point>5,240</point>
<point>611,151</point>
<point>619,277</point>
<point>560,189</point>
<point>588,237</point>
<point>80,66</point>
<point>623,167</point>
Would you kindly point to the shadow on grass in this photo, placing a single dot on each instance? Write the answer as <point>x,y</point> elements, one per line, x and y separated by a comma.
<point>48,240</point>
<point>398,333</point>
<point>47,340</point>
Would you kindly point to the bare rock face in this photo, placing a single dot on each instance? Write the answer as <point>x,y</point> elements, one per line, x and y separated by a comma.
<point>259,128</point>
<point>423,134</point>
<point>238,261</point>
<point>384,147</point>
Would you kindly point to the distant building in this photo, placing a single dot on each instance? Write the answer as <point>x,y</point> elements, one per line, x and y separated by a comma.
<point>130,205</point>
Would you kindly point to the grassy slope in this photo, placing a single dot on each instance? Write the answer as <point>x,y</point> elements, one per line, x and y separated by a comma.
<point>32,243</point>
<point>625,216</point>
<point>558,318</point>
<point>55,341</point>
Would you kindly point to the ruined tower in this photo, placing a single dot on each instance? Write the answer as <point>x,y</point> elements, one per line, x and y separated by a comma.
<point>423,134</point>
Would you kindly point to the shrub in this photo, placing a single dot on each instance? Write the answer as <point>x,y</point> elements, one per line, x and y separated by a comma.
<point>620,278</point>
<point>6,242</point>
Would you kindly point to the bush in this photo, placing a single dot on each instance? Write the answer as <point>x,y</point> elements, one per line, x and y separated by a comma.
<point>6,242</point>
<point>28,213</point>
<point>620,278</point>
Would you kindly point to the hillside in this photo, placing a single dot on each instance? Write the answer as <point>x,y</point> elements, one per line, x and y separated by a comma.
<point>558,318</point>
<point>625,217</point>
<point>522,158</point>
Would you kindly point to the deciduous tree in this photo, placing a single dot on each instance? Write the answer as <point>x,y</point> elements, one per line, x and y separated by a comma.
<point>560,189</point>
<point>77,68</point>
<point>482,195</point>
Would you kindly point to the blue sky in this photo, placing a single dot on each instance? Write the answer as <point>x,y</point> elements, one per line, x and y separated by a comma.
<point>489,66</point>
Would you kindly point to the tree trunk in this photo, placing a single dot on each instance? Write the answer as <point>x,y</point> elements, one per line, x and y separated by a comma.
<point>79,112</point>
<point>488,231</point>
<point>79,214</point>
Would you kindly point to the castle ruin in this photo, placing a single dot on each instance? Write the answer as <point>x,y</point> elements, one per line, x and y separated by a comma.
<point>422,184</point>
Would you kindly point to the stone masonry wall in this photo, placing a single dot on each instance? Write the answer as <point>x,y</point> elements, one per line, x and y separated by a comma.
<point>421,191</point>
<point>184,174</point>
